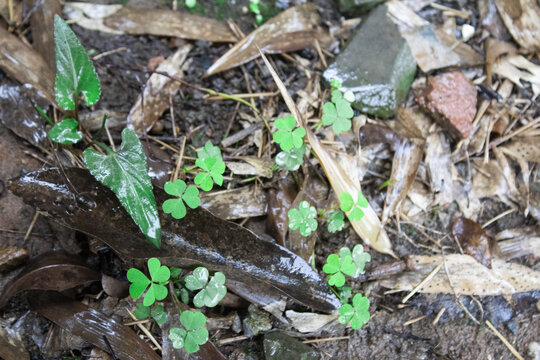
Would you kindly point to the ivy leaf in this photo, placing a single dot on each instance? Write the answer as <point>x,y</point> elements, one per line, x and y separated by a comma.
<point>212,293</point>
<point>286,137</point>
<point>75,73</point>
<point>198,279</point>
<point>213,172</point>
<point>125,172</point>
<point>303,218</point>
<point>292,159</point>
<point>187,194</point>
<point>209,150</point>
<point>336,221</point>
<point>357,314</point>
<point>195,333</point>
<point>65,132</point>
<point>142,312</point>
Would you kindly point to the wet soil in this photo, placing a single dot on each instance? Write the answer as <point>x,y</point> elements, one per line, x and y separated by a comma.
<point>386,336</point>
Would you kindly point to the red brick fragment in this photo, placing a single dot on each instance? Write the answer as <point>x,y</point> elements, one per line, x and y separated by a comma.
<point>450,98</point>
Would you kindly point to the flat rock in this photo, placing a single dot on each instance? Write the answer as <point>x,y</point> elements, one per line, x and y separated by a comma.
<point>377,65</point>
<point>280,346</point>
<point>450,98</point>
<point>357,7</point>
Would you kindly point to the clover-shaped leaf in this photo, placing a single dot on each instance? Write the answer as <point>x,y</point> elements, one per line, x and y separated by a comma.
<point>336,221</point>
<point>157,291</point>
<point>345,293</point>
<point>336,267</point>
<point>347,204</point>
<point>338,114</point>
<point>357,314</point>
<point>213,172</point>
<point>209,150</point>
<point>177,336</point>
<point>198,279</point>
<point>335,83</point>
<point>142,312</point>
<point>195,333</point>
<point>212,293</point>
<point>303,218</point>
<point>336,95</point>
<point>358,256</point>
<point>187,194</point>
<point>286,137</point>
<point>65,132</point>
<point>291,159</point>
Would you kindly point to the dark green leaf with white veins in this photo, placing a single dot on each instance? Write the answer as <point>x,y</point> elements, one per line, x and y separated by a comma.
<point>125,172</point>
<point>65,132</point>
<point>75,73</point>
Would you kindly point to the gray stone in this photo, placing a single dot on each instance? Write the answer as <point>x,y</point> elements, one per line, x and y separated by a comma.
<point>280,346</point>
<point>256,322</point>
<point>357,7</point>
<point>377,65</point>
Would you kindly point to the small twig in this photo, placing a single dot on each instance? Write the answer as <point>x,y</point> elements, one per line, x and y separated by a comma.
<point>110,52</point>
<point>29,231</point>
<point>232,340</point>
<point>438,317</point>
<point>145,330</point>
<point>423,282</point>
<point>179,160</point>
<point>412,321</point>
<point>171,110</point>
<point>505,342</point>
<point>501,215</point>
<point>326,339</point>
<point>110,138</point>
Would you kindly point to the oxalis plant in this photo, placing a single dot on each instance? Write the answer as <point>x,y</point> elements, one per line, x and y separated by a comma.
<point>209,292</point>
<point>337,113</point>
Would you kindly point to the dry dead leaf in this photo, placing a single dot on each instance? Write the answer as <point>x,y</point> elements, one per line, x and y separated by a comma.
<point>473,240</point>
<point>118,19</point>
<point>432,49</point>
<point>155,98</point>
<point>247,201</point>
<point>467,276</point>
<point>439,164</point>
<point>522,19</point>
<point>252,165</point>
<point>294,29</point>
<point>517,68</point>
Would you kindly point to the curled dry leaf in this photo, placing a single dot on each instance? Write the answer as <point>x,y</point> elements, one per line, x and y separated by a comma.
<point>118,19</point>
<point>239,203</point>
<point>252,165</point>
<point>155,97</point>
<point>56,270</point>
<point>25,65</point>
<point>12,346</point>
<point>91,325</point>
<point>199,239</point>
<point>473,240</point>
<point>369,228</point>
<point>468,276</point>
<point>294,29</point>
<point>407,157</point>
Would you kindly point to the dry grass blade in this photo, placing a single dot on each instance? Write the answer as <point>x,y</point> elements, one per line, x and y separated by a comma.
<point>369,228</point>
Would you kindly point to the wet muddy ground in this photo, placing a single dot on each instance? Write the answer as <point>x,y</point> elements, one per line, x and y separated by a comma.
<point>387,335</point>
